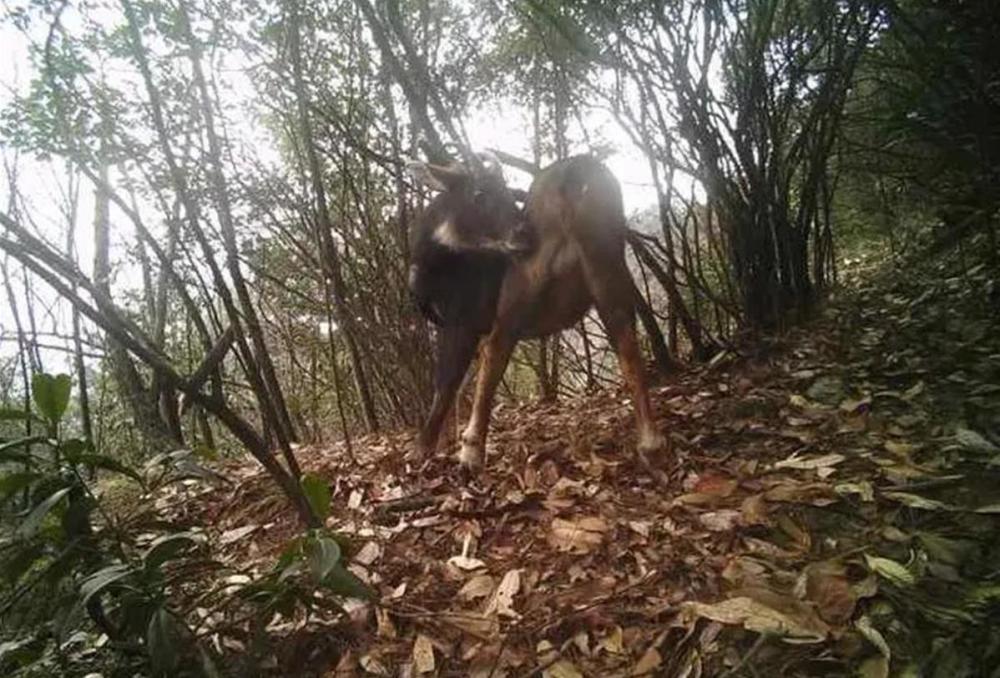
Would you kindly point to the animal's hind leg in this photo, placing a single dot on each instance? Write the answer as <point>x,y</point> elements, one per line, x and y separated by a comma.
<point>611,286</point>
<point>496,352</point>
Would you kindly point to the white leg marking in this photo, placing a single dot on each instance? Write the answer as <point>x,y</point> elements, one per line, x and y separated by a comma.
<point>470,454</point>
<point>650,439</point>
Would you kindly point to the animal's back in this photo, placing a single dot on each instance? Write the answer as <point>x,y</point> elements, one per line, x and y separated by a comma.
<point>575,208</point>
<point>580,198</point>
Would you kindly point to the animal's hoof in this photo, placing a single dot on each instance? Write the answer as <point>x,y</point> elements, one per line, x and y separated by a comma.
<point>470,456</point>
<point>652,441</point>
<point>417,454</point>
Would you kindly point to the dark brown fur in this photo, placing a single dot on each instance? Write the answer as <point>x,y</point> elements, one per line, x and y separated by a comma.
<point>577,261</point>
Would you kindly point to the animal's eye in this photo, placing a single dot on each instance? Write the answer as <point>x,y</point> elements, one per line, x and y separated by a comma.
<point>479,197</point>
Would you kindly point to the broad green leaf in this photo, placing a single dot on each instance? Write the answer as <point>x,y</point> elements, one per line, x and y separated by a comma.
<point>208,666</point>
<point>102,579</point>
<point>290,553</point>
<point>317,492</point>
<point>323,554</point>
<point>891,570</point>
<point>163,643</point>
<point>18,450</point>
<point>51,394</point>
<point>10,414</point>
<point>74,447</point>
<point>22,560</point>
<point>15,482</point>
<point>343,582</point>
<point>102,461</point>
<point>29,525</point>
<point>169,546</point>
<point>917,502</point>
<point>951,551</point>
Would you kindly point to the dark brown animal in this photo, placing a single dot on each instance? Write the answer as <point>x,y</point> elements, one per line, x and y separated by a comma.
<point>484,270</point>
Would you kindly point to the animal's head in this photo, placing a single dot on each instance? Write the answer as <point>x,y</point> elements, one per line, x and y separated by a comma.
<point>474,210</point>
<point>464,231</point>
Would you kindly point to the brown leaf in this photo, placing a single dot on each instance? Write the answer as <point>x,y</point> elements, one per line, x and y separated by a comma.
<point>648,663</point>
<point>717,485</point>
<point>423,654</point>
<point>793,621</point>
<point>502,601</point>
<point>816,494</point>
<point>720,521</point>
<point>477,587</point>
<point>754,510</point>
<point>826,584</point>
<point>474,624</point>
<point>386,627</point>
<point>579,536</point>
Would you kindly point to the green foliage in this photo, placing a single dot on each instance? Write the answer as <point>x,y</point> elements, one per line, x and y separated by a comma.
<point>51,395</point>
<point>57,563</point>
<point>310,562</point>
<point>317,492</point>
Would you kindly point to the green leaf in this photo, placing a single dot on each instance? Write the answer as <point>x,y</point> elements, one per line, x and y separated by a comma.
<point>102,579</point>
<point>169,546</point>
<point>323,555</point>
<point>208,666</point>
<point>22,560</point>
<point>163,643</point>
<point>317,492</point>
<point>29,525</point>
<point>105,462</point>
<point>10,450</point>
<point>10,414</point>
<point>917,502</point>
<point>15,482</point>
<point>950,551</point>
<point>343,582</point>
<point>891,570</point>
<point>51,394</point>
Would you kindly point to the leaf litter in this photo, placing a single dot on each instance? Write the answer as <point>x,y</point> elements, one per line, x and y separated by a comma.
<point>830,509</point>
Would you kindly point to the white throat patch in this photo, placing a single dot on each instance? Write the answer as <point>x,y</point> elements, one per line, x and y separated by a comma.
<point>445,234</point>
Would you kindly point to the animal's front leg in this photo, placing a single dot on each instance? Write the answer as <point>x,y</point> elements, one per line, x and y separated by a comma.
<point>495,355</point>
<point>456,347</point>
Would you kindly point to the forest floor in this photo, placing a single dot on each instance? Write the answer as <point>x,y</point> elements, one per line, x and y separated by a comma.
<point>830,508</point>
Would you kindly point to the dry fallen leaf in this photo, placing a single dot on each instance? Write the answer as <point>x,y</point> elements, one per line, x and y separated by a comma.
<point>477,587</point>
<point>368,554</point>
<point>502,601</point>
<point>234,535</point>
<point>807,463</point>
<point>648,663</point>
<point>795,622</point>
<point>825,584</point>
<point>720,486</point>
<point>480,626</point>
<point>373,664</point>
<point>816,494</point>
<point>386,627</point>
<point>613,641</point>
<point>423,654</point>
<point>754,510</point>
<point>579,536</point>
<point>720,521</point>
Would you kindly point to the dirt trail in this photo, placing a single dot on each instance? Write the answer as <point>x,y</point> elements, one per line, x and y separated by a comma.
<point>831,508</point>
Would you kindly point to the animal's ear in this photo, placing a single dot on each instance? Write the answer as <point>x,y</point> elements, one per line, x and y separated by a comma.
<point>436,177</point>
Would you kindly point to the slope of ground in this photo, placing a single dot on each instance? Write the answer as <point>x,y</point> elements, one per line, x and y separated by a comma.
<point>830,508</point>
